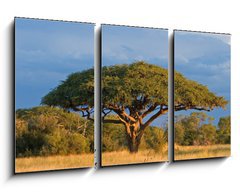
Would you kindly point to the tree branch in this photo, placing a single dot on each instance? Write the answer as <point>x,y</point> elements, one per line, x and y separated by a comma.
<point>150,109</point>
<point>114,121</point>
<point>111,107</point>
<point>150,120</point>
<point>106,113</point>
<point>182,107</point>
<point>127,117</point>
<point>89,115</point>
<point>156,115</point>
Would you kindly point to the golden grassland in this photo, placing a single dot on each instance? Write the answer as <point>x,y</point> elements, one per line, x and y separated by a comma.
<point>32,164</point>
<point>125,157</point>
<point>200,152</point>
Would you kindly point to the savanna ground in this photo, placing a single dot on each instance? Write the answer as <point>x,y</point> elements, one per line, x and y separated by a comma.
<point>125,157</point>
<point>34,164</point>
<point>201,152</point>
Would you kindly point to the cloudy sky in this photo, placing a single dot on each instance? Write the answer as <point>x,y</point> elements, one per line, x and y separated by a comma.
<point>46,52</point>
<point>122,44</point>
<point>205,58</point>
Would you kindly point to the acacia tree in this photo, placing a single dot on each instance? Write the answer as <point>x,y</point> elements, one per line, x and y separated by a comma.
<point>137,93</point>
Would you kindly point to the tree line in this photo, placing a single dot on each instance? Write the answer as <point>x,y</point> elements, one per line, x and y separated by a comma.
<point>198,129</point>
<point>43,131</point>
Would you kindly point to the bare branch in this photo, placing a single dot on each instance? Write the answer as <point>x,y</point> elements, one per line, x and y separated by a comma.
<point>106,113</point>
<point>114,121</point>
<point>150,120</point>
<point>184,107</point>
<point>150,109</point>
<point>122,120</point>
<point>88,115</point>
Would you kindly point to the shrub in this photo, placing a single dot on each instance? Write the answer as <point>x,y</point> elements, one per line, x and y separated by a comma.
<point>52,131</point>
<point>155,138</point>
<point>114,137</point>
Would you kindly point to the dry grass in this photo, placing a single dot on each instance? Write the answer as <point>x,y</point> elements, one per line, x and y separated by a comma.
<point>33,164</point>
<point>200,152</point>
<point>124,157</point>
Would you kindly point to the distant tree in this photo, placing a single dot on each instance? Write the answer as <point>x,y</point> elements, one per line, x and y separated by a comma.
<point>225,123</point>
<point>179,133</point>
<point>137,93</point>
<point>208,134</point>
<point>224,130</point>
<point>195,129</point>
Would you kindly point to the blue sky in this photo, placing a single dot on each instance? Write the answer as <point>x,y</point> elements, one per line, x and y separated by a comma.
<point>46,53</point>
<point>205,58</point>
<point>123,44</point>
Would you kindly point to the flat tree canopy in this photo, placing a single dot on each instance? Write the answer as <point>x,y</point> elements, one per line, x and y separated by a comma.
<point>190,94</point>
<point>137,93</point>
<point>75,93</point>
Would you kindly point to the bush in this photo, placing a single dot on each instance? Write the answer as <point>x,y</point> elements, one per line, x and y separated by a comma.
<point>197,129</point>
<point>155,138</point>
<point>77,143</point>
<point>52,131</point>
<point>114,137</point>
<point>30,143</point>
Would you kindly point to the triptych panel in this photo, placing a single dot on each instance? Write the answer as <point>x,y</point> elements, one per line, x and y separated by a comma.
<point>201,95</point>
<point>54,66</point>
<point>134,95</point>
<point>55,82</point>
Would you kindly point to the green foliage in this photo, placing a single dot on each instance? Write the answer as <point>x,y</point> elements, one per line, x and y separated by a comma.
<point>208,134</point>
<point>21,127</point>
<point>52,131</point>
<point>76,90</point>
<point>155,138</point>
<point>114,137</point>
<point>197,129</point>
<point>224,132</point>
<point>225,124</point>
<point>56,143</point>
<point>179,133</point>
<point>134,91</point>
<point>124,84</point>
<point>30,143</point>
<point>187,128</point>
<point>191,94</point>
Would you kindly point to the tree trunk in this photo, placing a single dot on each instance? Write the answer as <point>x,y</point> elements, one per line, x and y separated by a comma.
<point>134,125</point>
<point>132,137</point>
<point>133,145</point>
